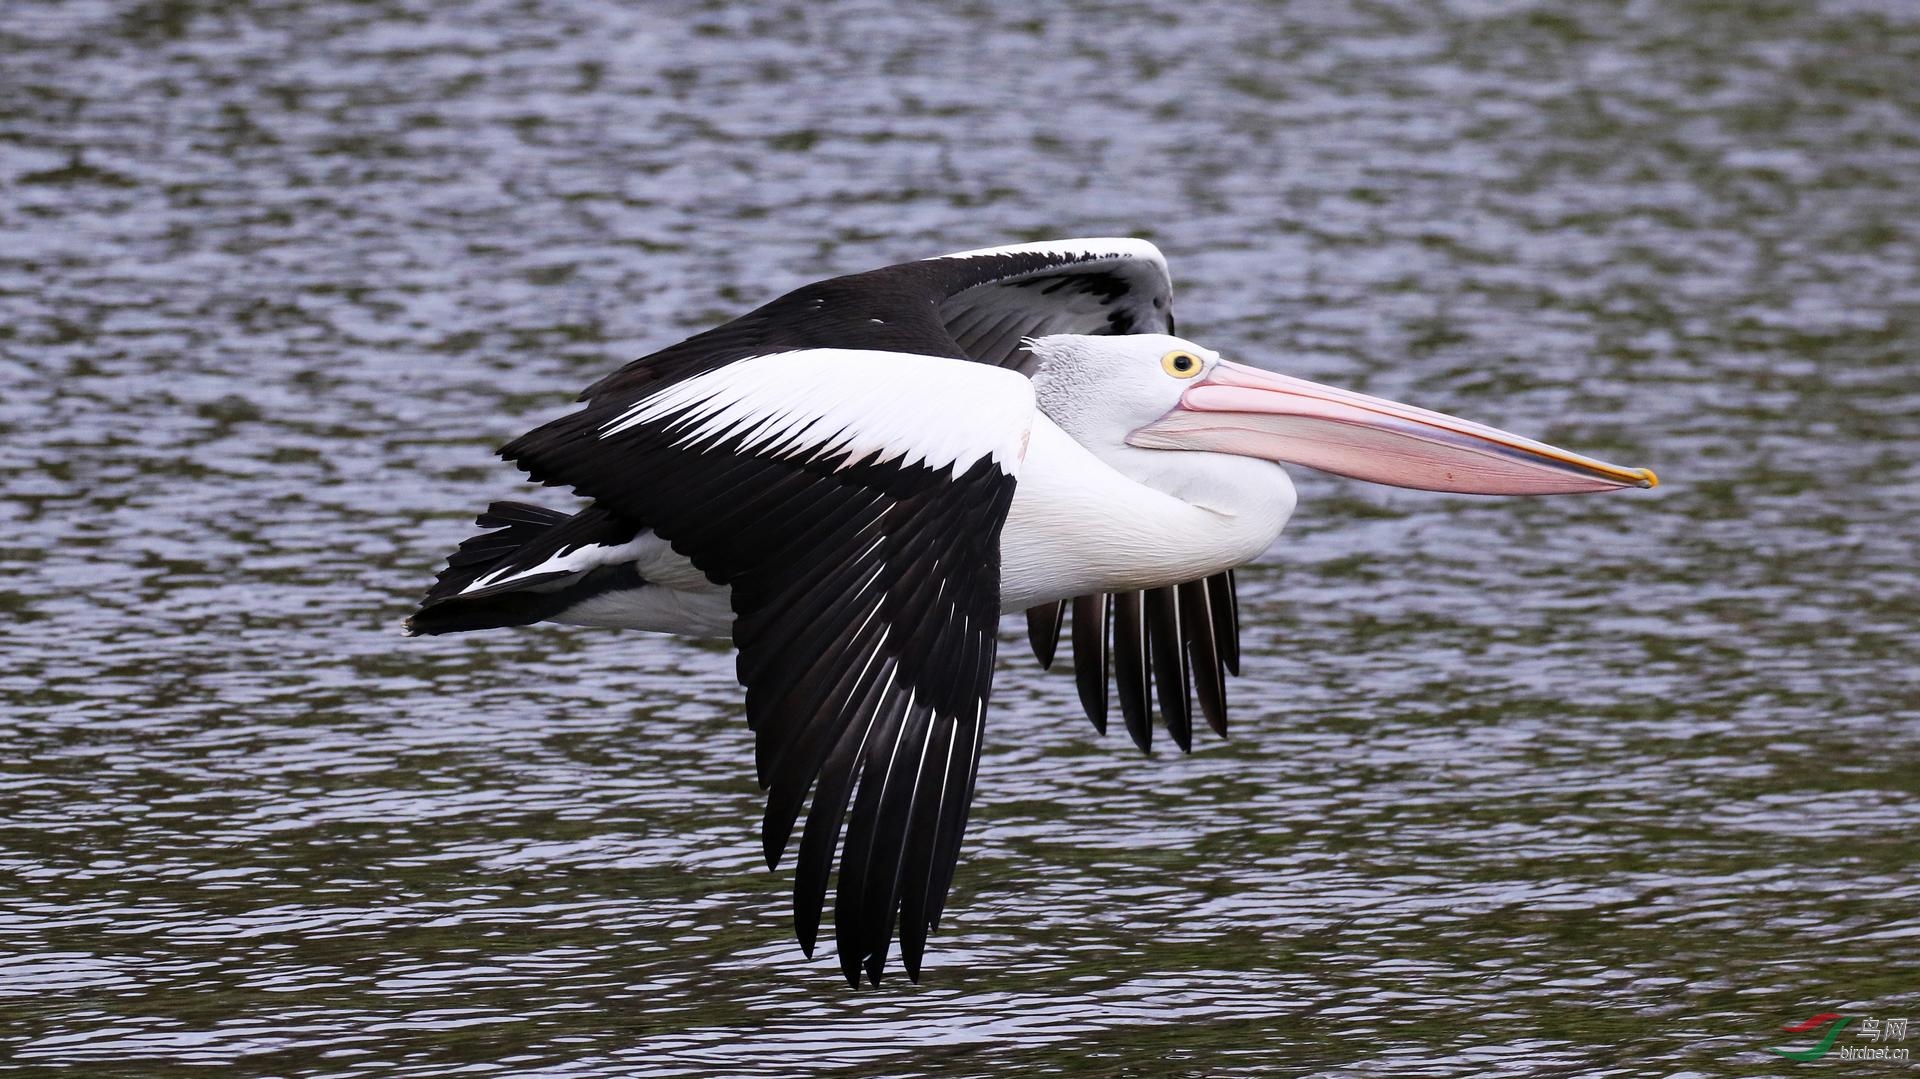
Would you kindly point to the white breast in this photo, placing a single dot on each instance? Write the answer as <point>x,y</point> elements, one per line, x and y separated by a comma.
<point>1078,527</point>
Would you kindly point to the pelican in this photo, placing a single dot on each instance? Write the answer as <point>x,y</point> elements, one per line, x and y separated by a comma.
<point>857,480</point>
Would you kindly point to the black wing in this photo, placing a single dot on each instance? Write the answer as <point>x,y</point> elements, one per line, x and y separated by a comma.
<point>975,305</point>
<point>979,305</point>
<point>1174,643</point>
<point>866,593</point>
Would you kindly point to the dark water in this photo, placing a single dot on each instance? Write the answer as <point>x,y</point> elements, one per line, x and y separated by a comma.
<point>1614,785</point>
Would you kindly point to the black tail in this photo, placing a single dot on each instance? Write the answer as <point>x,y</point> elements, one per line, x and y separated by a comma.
<point>519,536</point>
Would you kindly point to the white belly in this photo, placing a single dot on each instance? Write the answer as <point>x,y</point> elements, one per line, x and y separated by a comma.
<point>658,608</point>
<point>676,599</point>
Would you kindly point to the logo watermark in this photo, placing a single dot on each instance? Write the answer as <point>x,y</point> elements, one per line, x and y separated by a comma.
<point>1872,1030</point>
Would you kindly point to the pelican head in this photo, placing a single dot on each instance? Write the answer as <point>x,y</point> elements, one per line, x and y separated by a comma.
<point>1159,392</point>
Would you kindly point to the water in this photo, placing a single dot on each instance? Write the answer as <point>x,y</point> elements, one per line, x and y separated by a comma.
<point>1609,785</point>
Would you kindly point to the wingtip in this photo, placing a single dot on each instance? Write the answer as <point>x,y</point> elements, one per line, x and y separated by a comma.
<point>1043,631</point>
<point>1090,663</point>
<point>773,842</point>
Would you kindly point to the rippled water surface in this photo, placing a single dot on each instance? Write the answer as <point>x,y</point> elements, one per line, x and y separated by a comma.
<point>1613,785</point>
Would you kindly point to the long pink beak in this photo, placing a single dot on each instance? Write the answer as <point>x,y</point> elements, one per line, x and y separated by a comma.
<point>1255,413</point>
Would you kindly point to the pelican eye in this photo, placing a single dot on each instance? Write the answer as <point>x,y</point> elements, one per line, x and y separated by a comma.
<point>1180,364</point>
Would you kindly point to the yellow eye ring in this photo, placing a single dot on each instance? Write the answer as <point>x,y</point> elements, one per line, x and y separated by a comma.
<point>1180,364</point>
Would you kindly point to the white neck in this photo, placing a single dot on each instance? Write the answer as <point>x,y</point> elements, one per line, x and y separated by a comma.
<point>1077,526</point>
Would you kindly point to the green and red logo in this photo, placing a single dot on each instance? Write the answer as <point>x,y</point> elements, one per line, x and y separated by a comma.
<point>1825,1045</point>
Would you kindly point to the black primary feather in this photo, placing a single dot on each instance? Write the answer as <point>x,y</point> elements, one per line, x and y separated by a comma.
<point>1130,672</point>
<point>1090,629</point>
<point>1043,629</point>
<point>1167,646</point>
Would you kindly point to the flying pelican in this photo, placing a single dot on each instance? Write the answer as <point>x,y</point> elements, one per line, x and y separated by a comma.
<point>855,481</point>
